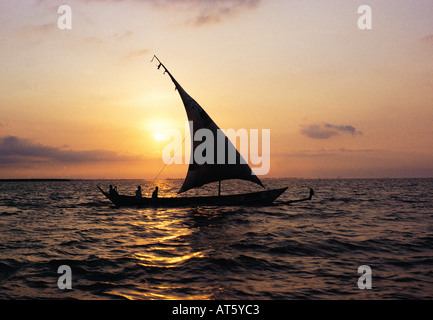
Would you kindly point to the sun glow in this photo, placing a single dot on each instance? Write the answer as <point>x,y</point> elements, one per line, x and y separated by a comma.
<point>158,136</point>
<point>161,130</point>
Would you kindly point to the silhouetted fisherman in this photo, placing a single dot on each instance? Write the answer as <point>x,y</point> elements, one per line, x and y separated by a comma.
<point>138,192</point>
<point>155,193</point>
<point>113,191</point>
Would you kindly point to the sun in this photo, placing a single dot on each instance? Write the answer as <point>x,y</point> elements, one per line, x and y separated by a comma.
<point>159,129</point>
<point>158,136</point>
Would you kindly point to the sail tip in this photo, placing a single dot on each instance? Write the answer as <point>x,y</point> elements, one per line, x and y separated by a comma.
<point>256,180</point>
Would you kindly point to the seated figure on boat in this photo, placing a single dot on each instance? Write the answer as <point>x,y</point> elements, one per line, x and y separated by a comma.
<point>138,192</point>
<point>155,193</point>
<point>112,191</point>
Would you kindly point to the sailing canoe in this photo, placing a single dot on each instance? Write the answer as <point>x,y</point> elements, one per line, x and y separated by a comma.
<point>247,199</point>
<point>200,174</point>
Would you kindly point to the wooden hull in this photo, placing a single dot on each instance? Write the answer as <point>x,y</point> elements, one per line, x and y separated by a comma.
<point>247,199</point>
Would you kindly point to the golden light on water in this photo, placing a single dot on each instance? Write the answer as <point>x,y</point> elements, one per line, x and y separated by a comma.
<point>152,294</point>
<point>156,261</point>
<point>165,230</point>
<point>158,252</point>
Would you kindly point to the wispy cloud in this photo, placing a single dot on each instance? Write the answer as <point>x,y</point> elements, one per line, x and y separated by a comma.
<point>125,35</point>
<point>428,38</point>
<point>213,12</point>
<point>36,31</point>
<point>94,40</point>
<point>204,11</point>
<point>137,53</point>
<point>329,153</point>
<point>327,130</point>
<point>14,150</point>
<point>427,41</point>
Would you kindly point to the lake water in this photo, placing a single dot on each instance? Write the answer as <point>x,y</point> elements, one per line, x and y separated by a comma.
<point>308,250</point>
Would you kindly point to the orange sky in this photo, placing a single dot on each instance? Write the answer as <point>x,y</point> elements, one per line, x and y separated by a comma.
<point>339,101</point>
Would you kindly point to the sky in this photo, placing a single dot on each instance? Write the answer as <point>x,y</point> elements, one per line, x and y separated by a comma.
<point>340,102</point>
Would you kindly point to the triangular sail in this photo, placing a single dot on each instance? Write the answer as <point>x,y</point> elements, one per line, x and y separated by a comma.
<point>201,174</point>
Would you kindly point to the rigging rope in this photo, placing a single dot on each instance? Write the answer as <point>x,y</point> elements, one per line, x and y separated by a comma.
<point>177,148</point>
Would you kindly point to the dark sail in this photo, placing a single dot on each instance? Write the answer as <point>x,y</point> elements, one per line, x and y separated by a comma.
<point>219,168</point>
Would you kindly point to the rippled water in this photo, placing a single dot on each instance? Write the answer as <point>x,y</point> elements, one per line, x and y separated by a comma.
<point>309,250</point>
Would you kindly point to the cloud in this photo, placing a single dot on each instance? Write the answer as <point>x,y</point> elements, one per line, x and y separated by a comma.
<point>15,150</point>
<point>199,12</point>
<point>428,38</point>
<point>212,12</point>
<point>37,31</point>
<point>137,53</point>
<point>310,153</point>
<point>427,41</point>
<point>328,153</point>
<point>327,130</point>
<point>203,11</point>
<point>93,40</point>
<point>360,150</point>
<point>125,35</point>
<point>341,129</point>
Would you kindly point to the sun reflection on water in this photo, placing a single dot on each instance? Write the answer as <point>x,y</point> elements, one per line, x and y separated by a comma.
<point>159,293</point>
<point>157,261</point>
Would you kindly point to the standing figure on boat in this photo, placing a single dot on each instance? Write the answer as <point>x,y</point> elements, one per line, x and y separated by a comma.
<point>138,194</point>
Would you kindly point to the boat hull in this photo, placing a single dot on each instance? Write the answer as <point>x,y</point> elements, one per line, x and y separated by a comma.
<point>247,199</point>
